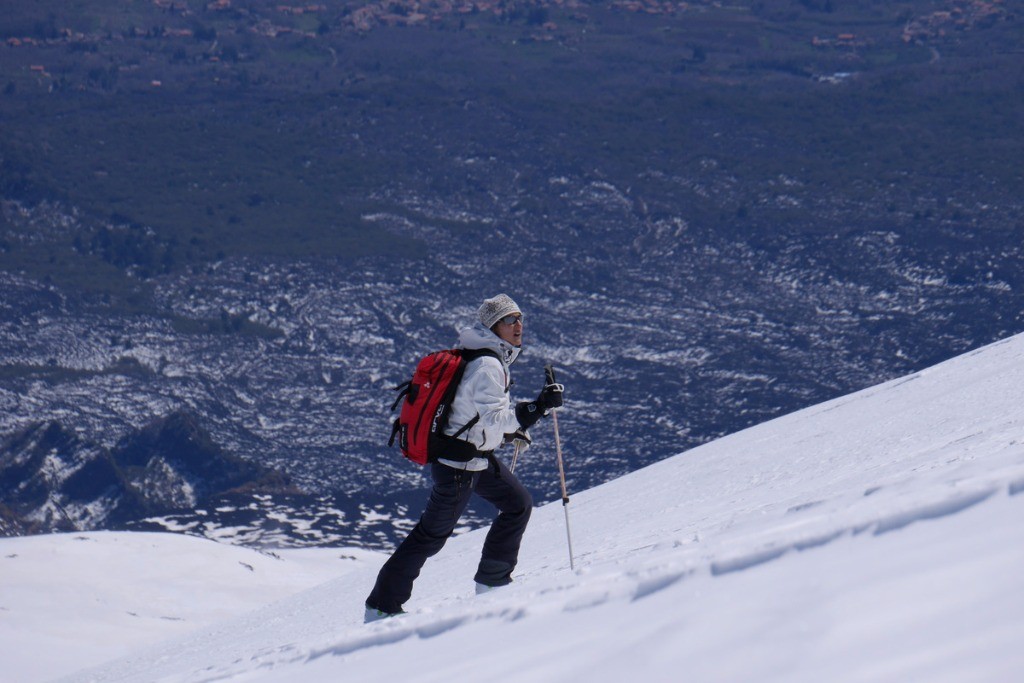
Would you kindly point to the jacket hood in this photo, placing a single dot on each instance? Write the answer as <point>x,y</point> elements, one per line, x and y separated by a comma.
<point>479,337</point>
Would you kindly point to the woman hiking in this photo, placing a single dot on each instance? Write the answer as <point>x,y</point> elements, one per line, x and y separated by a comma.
<point>482,419</point>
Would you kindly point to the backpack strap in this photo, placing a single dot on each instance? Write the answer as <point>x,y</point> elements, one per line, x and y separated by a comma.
<point>395,428</point>
<point>403,390</point>
<point>466,427</point>
<point>473,354</point>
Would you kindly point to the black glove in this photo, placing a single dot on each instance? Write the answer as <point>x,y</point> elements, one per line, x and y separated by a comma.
<point>550,397</point>
<point>528,412</point>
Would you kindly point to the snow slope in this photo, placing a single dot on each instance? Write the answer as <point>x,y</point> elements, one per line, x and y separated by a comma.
<point>70,600</point>
<point>876,537</point>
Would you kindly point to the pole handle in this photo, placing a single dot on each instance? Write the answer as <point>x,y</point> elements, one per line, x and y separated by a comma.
<point>515,456</point>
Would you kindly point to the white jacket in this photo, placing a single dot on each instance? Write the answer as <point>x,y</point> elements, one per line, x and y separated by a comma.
<point>484,391</point>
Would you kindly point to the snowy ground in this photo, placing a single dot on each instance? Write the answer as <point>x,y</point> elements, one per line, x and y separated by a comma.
<point>877,537</point>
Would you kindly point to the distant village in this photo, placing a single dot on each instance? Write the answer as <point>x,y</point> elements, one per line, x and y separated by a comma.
<point>360,19</point>
<point>960,15</point>
<point>365,17</point>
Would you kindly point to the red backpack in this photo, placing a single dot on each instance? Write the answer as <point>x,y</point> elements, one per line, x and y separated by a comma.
<point>427,406</point>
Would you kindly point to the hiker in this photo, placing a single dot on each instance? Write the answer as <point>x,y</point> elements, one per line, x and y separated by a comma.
<point>468,464</point>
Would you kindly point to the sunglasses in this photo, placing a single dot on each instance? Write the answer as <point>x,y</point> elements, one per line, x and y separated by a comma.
<point>511,320</point>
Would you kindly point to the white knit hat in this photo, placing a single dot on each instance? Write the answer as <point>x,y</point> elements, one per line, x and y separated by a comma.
<point>494,309</point>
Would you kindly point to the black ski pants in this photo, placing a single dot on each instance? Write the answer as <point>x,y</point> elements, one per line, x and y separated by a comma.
<point>448,499</point>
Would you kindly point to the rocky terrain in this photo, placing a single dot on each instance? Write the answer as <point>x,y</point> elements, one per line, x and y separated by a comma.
<point>664,339</point>
<point>704,233</point>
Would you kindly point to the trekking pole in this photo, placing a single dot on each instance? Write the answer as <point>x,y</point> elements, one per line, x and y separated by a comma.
<point>549,373</point>
<point>515,456</point>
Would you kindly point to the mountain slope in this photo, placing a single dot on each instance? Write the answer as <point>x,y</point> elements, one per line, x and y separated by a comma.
<point>873,537</point>
<point>53,480</point>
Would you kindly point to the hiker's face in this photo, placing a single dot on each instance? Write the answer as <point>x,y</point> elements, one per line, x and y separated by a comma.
<point>510,332</point>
